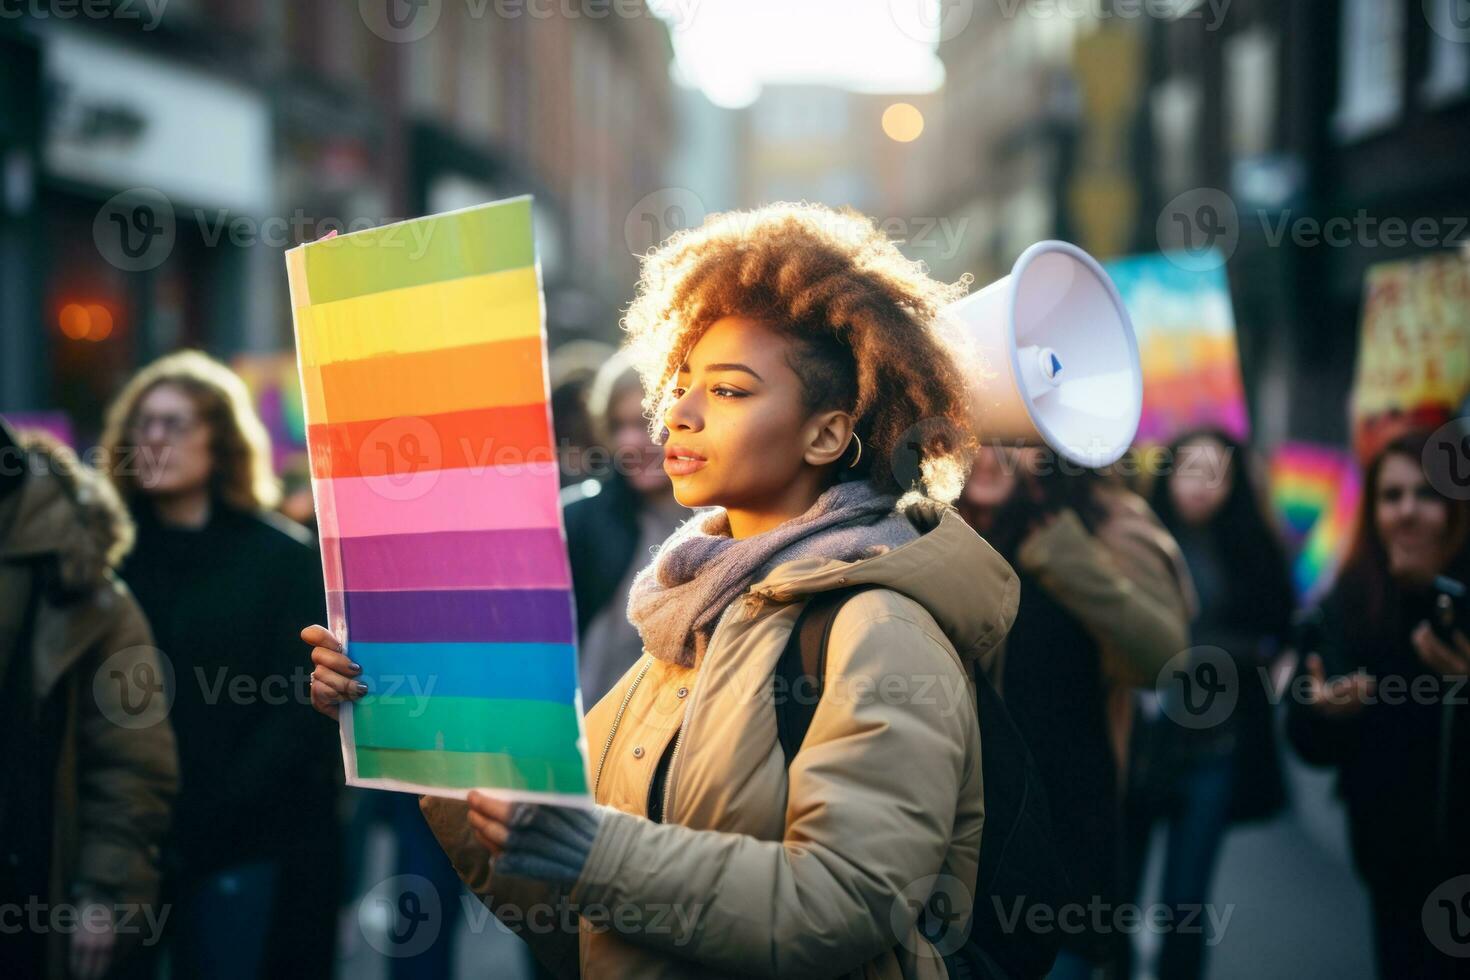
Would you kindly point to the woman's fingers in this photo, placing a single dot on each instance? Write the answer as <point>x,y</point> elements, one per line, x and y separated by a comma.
<point>320,636</point>
<point>490,819</point>
<point>333,675</point>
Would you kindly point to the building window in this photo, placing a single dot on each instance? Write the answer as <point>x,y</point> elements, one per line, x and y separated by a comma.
<point>1370,67</point>
<point>1448,77</point>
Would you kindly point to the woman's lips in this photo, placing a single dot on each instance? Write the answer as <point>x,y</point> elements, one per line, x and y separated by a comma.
<point>682,467</point>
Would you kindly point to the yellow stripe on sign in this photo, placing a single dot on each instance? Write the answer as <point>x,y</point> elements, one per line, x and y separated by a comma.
<point>452,313</point>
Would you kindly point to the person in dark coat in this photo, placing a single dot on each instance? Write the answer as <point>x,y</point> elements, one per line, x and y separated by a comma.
<point>1105,598</point>
<point>613,525</point>
<point>90,767</point>
<point>1383,700</point>
<point>1200,780</point>
<point>187,452</point>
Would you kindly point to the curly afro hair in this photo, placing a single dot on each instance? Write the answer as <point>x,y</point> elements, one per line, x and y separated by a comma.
<point>866,322</point>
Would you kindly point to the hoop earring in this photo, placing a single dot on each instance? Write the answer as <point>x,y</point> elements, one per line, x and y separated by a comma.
<point>859,452</point>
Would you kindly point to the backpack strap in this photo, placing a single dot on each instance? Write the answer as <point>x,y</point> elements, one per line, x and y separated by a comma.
<point>802,670</point>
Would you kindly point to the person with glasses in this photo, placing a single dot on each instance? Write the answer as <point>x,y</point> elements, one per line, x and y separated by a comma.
<point>187,452</point>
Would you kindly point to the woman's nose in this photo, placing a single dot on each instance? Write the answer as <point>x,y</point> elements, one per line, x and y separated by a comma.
<point>681,414</point>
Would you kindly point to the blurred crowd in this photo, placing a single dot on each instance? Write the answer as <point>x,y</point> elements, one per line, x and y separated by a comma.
<point>168,784</point>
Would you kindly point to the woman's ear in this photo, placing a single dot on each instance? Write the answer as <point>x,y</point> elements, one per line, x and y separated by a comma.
<point>830,434</point>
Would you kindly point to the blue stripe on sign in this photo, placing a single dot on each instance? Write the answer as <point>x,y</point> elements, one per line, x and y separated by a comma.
<point>530,671</point>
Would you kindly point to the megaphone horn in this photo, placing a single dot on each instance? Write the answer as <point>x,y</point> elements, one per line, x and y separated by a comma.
<point>1060,356</point>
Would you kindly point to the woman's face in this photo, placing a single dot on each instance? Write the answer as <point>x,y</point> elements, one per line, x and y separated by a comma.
<point>1412,520</point>
<point>632,447</point>
<point>739,413</point>
<point>173,443</point>
<point>992,478</point>
<point>1201,482</point>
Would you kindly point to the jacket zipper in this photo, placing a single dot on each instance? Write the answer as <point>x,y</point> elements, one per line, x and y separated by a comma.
<point>684,722</point>
<point>617,719</point>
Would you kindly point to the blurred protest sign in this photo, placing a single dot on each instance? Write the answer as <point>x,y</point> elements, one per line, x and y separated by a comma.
<point>422,355</point>
<point>1314,494</point>
<point>275,387</point>
<point>1185,326</point>
<point>55,424</point>
<point>1414,351</point>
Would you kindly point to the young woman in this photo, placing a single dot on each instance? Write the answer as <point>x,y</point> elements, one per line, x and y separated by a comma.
<point>1200,780</point>
<point>191,459</point>
<point>1382,699</point>
<point>792,353</point>
<point>1105,600</point>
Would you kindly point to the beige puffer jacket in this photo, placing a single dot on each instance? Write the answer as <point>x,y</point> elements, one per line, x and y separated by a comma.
<point>760,871</point>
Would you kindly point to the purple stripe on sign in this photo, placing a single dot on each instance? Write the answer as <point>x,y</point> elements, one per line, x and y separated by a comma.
<point>461,616</point>
<point>531,558</point>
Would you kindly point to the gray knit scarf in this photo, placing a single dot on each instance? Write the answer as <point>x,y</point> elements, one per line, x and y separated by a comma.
<point>676,600</point>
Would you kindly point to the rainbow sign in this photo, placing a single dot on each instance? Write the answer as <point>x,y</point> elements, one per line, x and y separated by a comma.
<point>1185,326</point>
<point>422,353</point>
<point>1314,493</point>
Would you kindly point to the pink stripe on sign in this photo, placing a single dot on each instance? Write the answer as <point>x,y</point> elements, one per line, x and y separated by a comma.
<point>488,499</point>
<point>447,560</point>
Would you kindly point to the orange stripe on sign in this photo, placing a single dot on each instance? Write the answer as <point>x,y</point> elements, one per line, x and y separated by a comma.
<point>432,382</point>
<point>411,449</point>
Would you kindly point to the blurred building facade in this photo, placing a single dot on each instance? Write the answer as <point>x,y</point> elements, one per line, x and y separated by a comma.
<point>248,126</point>
<point>1285,135</point>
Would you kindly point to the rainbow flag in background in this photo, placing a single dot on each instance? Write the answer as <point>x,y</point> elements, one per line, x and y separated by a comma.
<point>1185,325</point>
<point>1314,492</point>
<point>422,352</point>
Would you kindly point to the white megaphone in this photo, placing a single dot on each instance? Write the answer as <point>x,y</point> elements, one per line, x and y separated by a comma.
<point>1061,361</point>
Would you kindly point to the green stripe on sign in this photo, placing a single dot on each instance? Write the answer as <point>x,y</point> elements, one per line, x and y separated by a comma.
<point>467,770</point>
<point>492,238</point>
<point>545,729</point>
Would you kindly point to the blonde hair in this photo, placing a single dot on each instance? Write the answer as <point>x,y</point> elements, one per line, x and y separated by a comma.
<point>240,448</point>
<point>866,321</point>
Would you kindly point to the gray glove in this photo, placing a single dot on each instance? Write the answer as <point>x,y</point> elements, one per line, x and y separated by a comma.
<point>549,843</point>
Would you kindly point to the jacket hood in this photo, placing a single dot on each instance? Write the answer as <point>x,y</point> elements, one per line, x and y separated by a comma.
<point>68,510</point>
<point>950,570</point>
